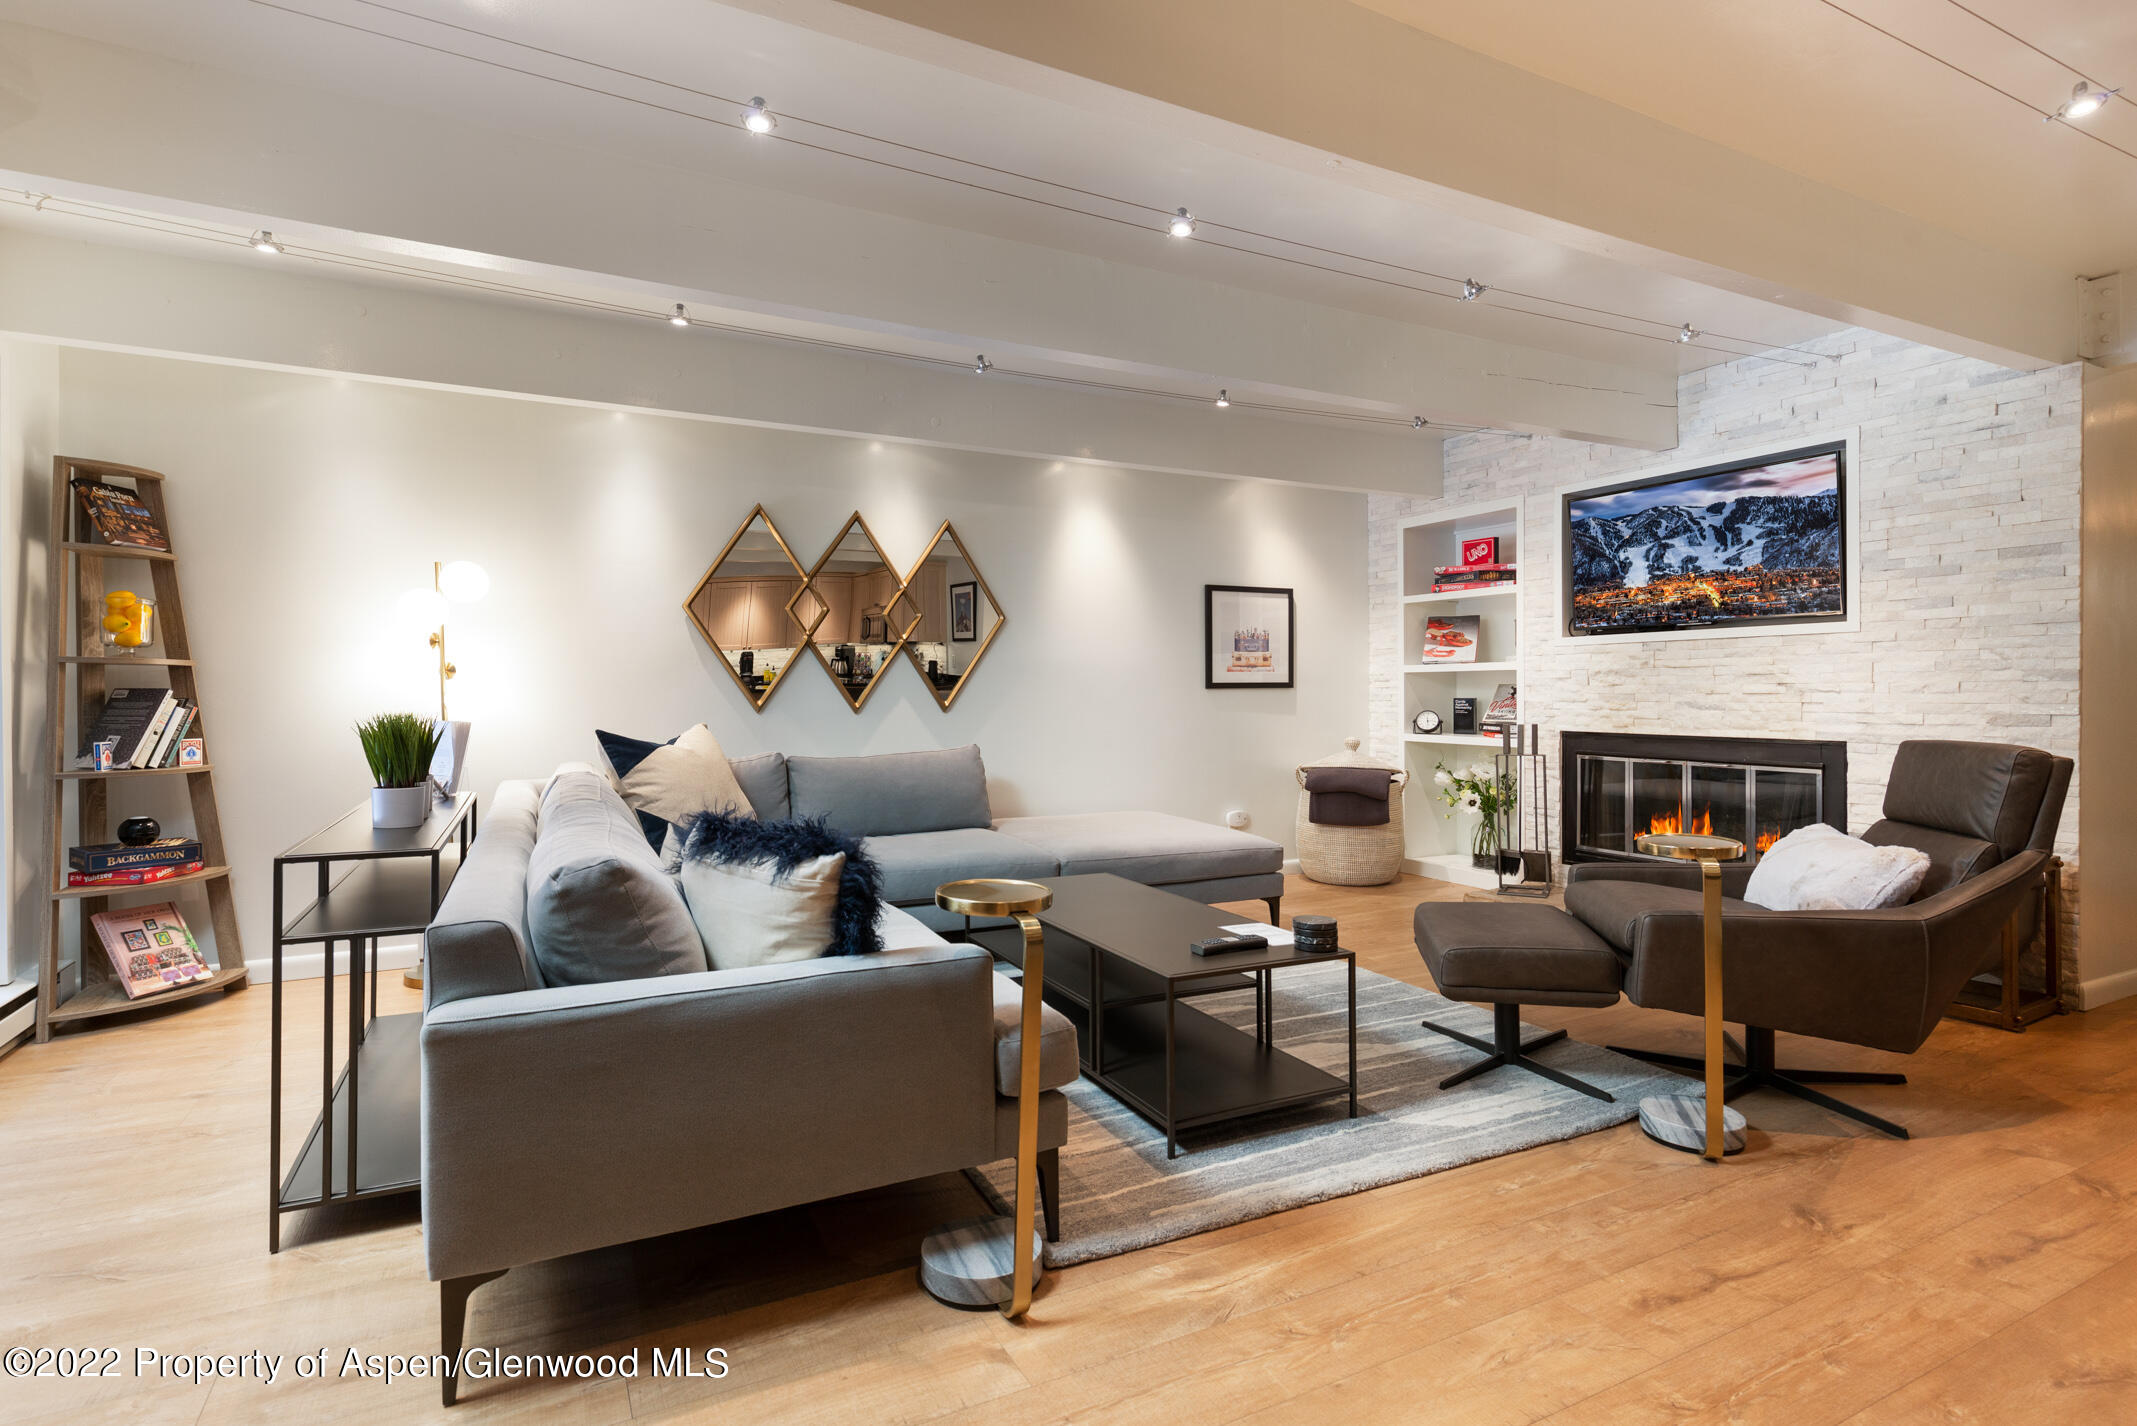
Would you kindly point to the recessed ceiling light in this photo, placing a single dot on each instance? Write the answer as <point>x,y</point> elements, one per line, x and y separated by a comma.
<point>1685,333</point>
<point>982,366</point>
<point>1224,398</point>
<point>1182,224</point>
<point>1472,289</point>
<point>758,119</point>
<point>264,242</point>
<point>2085,98</point>
<point>681,318</point>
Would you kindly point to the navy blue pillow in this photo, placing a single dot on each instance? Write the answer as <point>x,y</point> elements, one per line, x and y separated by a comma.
<point>726,837</point>
<point>623,754</point>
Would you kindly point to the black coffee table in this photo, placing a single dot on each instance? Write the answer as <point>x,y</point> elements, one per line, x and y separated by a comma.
<point>1118,965</point>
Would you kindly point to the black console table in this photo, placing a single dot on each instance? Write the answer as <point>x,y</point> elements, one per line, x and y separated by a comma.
<point>370,882</point>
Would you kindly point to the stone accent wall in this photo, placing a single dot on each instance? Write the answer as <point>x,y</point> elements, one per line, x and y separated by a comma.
<point>1968,478</point>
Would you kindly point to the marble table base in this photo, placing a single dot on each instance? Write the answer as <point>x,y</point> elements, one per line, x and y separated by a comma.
<point>968,1264</point>
<point>1679,1121</point>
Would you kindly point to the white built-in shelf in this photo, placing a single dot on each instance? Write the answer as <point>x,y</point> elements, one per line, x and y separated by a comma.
<point>1503,666</point>
<point>1497,591</point>
<point>1467,740</point>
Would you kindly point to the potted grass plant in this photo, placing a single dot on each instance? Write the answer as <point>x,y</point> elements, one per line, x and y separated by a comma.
<point>399,747</point>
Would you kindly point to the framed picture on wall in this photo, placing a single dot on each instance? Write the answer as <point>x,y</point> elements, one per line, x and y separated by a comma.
<point>1247,634</point>
<point>964,612</point>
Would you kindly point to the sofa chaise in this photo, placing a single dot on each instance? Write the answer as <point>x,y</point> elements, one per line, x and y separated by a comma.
<point>927,819</point>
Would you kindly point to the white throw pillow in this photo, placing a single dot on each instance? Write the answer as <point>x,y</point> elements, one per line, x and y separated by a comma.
<point>1821,868</point>
<point>688,776</point>
<point>746,917</point>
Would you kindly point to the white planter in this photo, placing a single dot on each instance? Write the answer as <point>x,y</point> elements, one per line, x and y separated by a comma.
<point>400,806</point>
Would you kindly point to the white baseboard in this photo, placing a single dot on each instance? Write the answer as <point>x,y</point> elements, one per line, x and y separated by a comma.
<point>394,953</point>
<point>2092,994</point>
<point>1292,867</point>
<point>18,1024</point>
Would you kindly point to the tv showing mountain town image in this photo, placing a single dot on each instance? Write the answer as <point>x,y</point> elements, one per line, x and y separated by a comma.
<point>1753,543</point>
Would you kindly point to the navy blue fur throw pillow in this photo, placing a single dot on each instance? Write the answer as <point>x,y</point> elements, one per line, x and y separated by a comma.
<point>726,837</point>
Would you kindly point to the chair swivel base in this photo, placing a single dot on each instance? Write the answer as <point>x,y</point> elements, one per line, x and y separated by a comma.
<point>968,1265</point>
<point>1758,1071</point>
<point>1505,1050</point>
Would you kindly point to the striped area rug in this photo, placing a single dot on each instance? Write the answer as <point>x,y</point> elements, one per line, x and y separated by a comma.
<point>1119,1192</point>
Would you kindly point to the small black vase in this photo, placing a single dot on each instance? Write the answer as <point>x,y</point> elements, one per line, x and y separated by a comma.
<point>139,831</point>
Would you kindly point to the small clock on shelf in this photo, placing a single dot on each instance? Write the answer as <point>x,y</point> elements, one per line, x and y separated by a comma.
<point>1426,722</point>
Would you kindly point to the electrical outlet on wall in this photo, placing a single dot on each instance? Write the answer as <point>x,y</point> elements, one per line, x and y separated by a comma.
<point>1237,820</point>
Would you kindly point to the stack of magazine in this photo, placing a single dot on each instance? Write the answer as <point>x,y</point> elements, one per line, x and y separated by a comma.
<point>150,948</point>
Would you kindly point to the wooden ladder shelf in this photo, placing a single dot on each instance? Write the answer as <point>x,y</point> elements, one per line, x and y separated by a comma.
<point>78,597</point>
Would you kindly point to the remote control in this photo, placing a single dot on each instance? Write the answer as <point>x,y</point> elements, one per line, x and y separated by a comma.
<point>1218,945</point>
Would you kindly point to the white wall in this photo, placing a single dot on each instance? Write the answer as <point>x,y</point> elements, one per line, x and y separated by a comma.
<point>303,505</point>
<point>1968,479</point>
<point>29,409</point>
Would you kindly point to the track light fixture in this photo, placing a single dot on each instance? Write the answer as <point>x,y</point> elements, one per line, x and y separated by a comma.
<point>1685,333</point>
<point>264,242</point>
<point>982,366</point>
<point>1472,289</point>
<point>1417,423</point>
<point>1224,398</point>
<point>681,318</point>
<point>758,119</point>
<point>1182,224</point>
<point>2085,98</point>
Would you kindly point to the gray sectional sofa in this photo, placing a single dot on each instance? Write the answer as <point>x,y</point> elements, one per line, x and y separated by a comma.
<point>560,1117</point>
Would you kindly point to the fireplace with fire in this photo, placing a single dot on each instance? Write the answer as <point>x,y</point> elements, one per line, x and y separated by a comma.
<point>1619,786</point>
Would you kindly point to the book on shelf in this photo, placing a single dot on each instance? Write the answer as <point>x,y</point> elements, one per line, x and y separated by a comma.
<point>142,876</point>
<point>124,720</point>
<point>117,856</point>
<point>1461,586</point>
<point>1451,639</point>
<point>1504,708</point>
<point>118,517</point>
<point>152,740</point>
<point>150,948</point>
<point>174,729</point>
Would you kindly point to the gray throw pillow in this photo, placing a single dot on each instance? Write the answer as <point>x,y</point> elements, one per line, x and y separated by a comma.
<point>599,907</point>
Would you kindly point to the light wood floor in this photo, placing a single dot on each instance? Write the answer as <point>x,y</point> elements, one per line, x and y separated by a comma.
<point>1985,1272</point>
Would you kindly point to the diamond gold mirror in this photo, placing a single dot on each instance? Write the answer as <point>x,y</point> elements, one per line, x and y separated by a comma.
<point>958,616</point>
<point>750,607</point>
<point>856,611</point>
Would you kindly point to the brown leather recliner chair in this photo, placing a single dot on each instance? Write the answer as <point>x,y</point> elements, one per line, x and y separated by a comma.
<point>1986,813</point>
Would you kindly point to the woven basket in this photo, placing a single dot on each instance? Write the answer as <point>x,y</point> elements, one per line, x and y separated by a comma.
<point>1351,856</point>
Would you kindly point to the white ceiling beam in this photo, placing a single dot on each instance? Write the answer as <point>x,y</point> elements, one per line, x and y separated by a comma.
<point>116,119</point>
<point>275,312</point>
<point>1294,79</point>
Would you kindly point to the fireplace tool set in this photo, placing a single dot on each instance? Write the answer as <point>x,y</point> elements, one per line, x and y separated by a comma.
<point>1524,859</point>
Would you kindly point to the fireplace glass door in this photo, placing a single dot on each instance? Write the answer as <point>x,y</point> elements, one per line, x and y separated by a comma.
<point>1786,799</point>
<point>1602,805</point>
<point>1620,799</point>
<point>1717,802</point>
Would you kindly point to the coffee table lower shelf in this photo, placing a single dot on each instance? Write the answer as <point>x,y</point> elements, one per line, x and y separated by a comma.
<point>1218,1073</point>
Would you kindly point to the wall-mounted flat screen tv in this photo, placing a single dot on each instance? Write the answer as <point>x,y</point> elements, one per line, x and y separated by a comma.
<point>1762,542</point>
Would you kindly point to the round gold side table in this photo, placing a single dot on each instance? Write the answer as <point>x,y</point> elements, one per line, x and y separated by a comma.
<point>994,1262</point>
<point>1677,1120</point>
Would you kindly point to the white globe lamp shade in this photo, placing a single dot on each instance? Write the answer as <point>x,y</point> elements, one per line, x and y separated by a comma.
<point>420,610</point>
<point>464,581</point>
